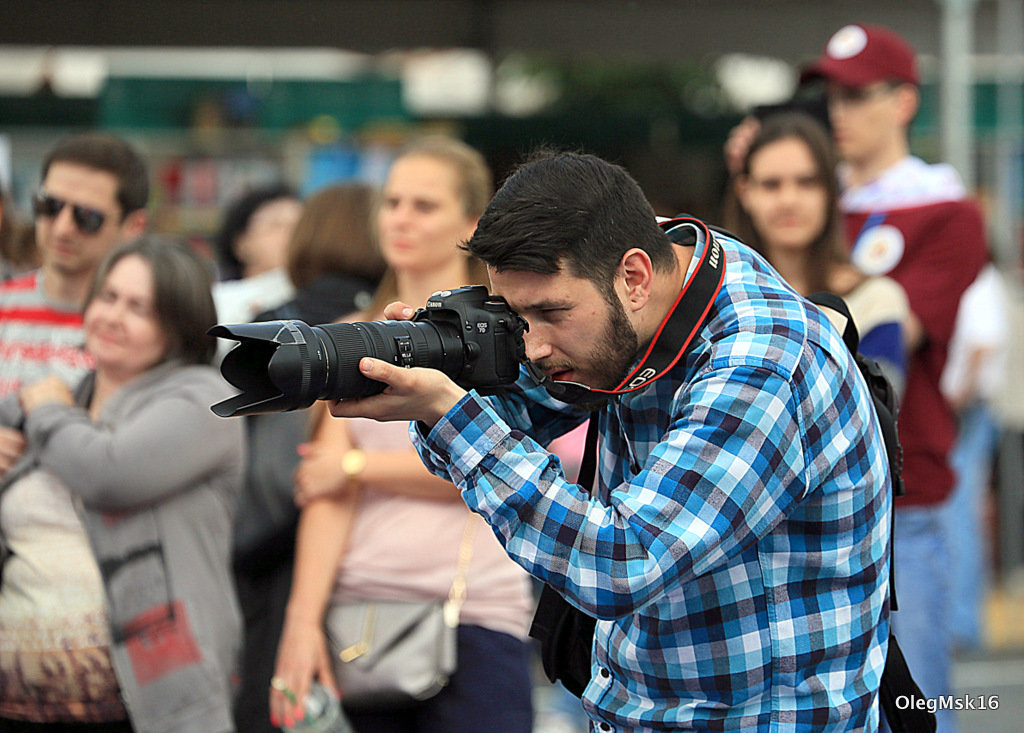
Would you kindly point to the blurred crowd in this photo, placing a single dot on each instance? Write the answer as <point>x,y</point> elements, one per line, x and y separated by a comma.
<point>162,565</point>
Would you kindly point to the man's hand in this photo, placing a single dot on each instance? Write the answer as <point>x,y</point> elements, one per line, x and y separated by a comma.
<point>49,390</point>
<point>412,394</point>
<point>12,445</point>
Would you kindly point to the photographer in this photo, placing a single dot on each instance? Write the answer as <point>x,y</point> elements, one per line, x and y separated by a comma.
<point>735,552</point>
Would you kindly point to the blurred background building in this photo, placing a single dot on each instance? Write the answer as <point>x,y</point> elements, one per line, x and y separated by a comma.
<point>223,95</point>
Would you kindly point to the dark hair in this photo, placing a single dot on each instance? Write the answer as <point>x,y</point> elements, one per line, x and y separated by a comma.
<point>181,293</point>
<point>18,249</point>
<point>827,249</point>
<point>569,210</point>
<point>236,221</point>
<point>335,234</point>
<point>111,154</point>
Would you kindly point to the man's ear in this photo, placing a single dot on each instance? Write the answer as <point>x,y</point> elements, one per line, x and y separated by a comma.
<point>134,225</point>
<point>636,273</point>
<point>908,99</point>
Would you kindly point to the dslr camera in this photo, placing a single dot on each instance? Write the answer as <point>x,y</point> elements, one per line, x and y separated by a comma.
<point>473,337</point>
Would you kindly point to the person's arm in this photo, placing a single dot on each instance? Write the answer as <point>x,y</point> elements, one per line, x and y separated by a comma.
<point>397,471</point>
<point>943,270</point>
<point>12,440</point>
<point>302,653</point>
<point>723,475</point>
<point>165,447</point>
<point>703,495</point>
<point>968,391</point>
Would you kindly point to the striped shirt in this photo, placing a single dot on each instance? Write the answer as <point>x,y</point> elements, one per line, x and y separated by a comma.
<point>736,554</point>
<point>37,337</point>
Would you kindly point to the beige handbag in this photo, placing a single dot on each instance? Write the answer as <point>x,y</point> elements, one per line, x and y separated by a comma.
<point>394,653</point>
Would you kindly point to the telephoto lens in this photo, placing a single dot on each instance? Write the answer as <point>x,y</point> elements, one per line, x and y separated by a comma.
<point>474,338</point>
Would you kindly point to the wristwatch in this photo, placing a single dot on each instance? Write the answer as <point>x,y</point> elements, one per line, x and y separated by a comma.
<point>353,463</point>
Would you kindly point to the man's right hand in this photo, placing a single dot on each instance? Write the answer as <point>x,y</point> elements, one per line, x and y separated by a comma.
<point>12,445</point>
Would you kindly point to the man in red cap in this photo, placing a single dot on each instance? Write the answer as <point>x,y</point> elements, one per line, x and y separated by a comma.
<point>910,221</point>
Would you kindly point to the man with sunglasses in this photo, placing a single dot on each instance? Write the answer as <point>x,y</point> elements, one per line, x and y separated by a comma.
<point>92,197</point>
<point>913,222</point>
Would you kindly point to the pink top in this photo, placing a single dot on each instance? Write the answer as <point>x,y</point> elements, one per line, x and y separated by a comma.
<point>406,548</point>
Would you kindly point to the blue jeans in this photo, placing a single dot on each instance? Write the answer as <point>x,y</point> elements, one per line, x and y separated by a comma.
<point>972,463</point>
<point>921,624</point>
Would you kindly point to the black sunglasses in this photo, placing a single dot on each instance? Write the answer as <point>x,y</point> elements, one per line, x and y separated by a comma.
<point>89,221</point>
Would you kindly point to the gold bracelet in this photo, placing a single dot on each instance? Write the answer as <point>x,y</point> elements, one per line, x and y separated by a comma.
<point>353,463</point>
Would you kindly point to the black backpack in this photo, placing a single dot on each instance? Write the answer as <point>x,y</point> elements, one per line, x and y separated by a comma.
<point>566,634</point>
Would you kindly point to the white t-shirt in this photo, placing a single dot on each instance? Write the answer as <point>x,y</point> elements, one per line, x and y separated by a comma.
<point>982,323</point>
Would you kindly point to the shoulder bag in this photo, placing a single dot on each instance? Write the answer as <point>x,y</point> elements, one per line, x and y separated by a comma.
<point>395,653</point>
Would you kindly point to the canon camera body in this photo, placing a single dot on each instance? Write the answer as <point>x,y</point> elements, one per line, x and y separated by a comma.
<point>473,337</point>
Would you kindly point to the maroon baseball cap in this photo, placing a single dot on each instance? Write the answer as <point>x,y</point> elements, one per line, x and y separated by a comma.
<point>861,54</point>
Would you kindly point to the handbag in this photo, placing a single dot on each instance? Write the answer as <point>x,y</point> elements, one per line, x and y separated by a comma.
<point>396,653</point>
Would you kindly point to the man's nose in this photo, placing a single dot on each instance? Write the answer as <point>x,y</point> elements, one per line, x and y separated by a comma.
<point>537,347</point>
<point>64,222</point>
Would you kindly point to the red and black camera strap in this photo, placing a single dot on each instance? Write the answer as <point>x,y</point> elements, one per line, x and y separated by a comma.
<point>681,324</point>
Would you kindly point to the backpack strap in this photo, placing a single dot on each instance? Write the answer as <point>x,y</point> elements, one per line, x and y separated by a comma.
<point>897,681</point>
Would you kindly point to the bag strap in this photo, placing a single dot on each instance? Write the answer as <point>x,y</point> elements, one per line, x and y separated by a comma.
<point>588,464</point>
<point>457,592</point>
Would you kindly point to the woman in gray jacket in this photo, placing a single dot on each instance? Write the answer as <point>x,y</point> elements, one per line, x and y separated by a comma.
<point>117,609</point>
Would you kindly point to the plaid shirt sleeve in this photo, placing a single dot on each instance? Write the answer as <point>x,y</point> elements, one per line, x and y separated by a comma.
<point>525,406</point>
<point>613,559</point>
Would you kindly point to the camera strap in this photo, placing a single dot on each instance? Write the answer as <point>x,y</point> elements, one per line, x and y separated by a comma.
<point>679,327</point>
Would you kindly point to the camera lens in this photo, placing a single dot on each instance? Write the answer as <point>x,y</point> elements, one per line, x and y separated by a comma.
<point>472,337</point>
<point>405,343</point>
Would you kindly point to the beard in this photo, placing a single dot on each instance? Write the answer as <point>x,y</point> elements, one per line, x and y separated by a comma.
<point>609,360</point>
<point>616,350</point>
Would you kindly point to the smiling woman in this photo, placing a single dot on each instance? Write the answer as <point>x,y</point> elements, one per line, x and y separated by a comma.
<point>121,616</point>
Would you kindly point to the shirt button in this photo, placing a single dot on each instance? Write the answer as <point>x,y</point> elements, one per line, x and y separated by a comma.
<point>604,727</point>
<point>605,674</point>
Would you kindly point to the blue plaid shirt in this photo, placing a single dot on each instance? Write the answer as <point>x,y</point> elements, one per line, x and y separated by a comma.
<point>736,553</point>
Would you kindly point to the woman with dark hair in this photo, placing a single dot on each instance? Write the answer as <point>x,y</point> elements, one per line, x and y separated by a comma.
<point>252,247</point>
<point>786,208</point>
<point>117,611</point>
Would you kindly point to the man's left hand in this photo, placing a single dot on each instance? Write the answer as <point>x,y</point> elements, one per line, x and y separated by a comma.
<point>412,394</point>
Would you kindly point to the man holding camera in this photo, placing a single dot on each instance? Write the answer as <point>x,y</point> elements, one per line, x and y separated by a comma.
<point>735,548</point>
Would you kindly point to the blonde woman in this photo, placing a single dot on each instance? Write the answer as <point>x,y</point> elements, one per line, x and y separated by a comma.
<point>376,525</point>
